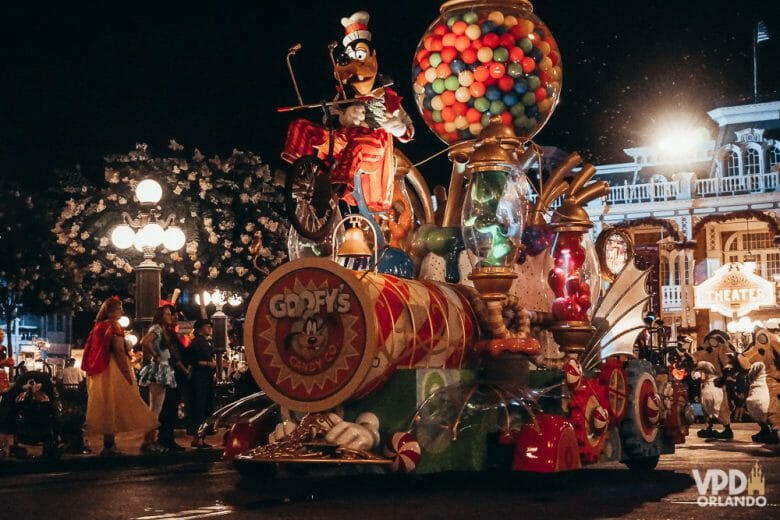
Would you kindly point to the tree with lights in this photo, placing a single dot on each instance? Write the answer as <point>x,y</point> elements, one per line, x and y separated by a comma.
<point>229,209</point>
<point>31,279</point>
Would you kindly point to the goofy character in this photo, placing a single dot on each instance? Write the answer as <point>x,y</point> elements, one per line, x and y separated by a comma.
<point>717,355</point>
<point>364,142</point>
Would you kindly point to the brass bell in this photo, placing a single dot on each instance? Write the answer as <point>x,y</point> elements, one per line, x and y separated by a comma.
<point>354,244</point>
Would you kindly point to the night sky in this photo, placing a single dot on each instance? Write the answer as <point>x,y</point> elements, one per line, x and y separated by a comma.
<point>81,82</point>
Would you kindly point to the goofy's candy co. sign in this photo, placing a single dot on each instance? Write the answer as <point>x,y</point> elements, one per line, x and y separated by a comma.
<point>306,335</point>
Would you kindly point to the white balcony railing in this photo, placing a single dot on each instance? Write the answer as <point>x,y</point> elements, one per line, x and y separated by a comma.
<point>671,297</point>
<point>737,184</point>
<point>648,192</point>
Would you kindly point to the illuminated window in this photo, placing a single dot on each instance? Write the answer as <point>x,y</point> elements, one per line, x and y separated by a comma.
<point>753,241</point>
<point>772,265</point>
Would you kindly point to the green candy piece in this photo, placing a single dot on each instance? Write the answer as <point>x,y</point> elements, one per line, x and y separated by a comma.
<point>501,55</point>
<point>528,99</point>
<point>497,107</point>
<point>452,83</point>
<point>482,104</point>
<point>436,116</point>
<point>517,110</point>
<point>526,44</point>
<point>485,119</point>
<point>531,122</point>
<point>452,19</point>
<point>438,85</point>
<point>471,17</point>
<point>521,121</point>
<point>515,70</point>
<point>434,59</point>
<point>534,82</point>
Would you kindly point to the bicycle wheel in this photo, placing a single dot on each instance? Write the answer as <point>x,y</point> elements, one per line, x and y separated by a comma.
<point>309,197</point>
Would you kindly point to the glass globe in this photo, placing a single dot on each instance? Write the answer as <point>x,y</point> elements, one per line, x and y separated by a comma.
<point>151,235</point>
<point>573,276</point>
<point>493,215</point>
<point>148,191</point>
<point>123,236</point>
<point>482,58</point>
<point>123,321</point>
<point>173,238</point>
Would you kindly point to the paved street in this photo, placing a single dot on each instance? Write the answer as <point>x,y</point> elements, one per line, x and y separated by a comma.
<point>183,488</point>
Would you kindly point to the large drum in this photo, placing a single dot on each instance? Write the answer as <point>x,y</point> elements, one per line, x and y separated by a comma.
<point>318,334</point>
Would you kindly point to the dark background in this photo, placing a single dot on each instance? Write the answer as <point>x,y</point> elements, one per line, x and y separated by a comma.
<point>84,81</point>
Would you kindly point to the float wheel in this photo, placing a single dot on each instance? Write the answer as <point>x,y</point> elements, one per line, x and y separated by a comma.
<point>309,198</point>
<point>639,429</point>
<point>590,421</point>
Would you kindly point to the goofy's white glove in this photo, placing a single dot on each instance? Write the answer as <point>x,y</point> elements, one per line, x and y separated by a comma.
<point>353,115</point>
<point>363,434</point>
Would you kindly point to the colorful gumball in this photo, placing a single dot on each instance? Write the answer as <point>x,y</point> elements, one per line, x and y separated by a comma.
<point>405,452</point>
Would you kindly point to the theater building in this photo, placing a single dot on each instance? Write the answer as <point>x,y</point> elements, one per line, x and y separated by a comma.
<point>704,213</point>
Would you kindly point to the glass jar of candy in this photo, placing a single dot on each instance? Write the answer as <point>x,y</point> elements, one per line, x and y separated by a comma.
<point>573,276</point>
<point>481,59</point>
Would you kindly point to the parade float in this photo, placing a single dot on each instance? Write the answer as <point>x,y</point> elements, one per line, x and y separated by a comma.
<point>479,336</point>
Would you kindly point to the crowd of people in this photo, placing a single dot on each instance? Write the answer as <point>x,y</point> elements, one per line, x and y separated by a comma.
<point>170,374</point>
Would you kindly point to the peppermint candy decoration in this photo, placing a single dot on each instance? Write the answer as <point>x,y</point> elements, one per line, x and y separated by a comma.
<point>599,420</point>
<point>573,371</point>
<point>653,409</point>
<point>404,450</point>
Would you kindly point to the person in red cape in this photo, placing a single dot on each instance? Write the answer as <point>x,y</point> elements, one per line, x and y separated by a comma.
<point>114,404</point>
<point>5,361</point>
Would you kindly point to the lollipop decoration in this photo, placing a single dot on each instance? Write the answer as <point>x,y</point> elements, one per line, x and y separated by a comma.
<point>404,450</point>
<point>482,59</point>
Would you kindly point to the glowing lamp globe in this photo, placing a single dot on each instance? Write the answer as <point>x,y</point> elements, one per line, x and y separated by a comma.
<point>173,238</point>
<point>151,235</point>
<point>148,191</point>
<point>124,322</point>
<point>123,236</point>
<point>484,58</point>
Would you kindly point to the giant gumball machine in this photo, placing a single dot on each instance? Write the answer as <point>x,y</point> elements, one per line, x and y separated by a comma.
<point>364,364</point>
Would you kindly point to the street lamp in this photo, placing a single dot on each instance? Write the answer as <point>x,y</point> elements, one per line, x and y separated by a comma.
<point>146,233</point>
<point>219,298</point>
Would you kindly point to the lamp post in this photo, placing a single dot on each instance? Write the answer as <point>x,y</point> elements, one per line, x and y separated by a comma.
<point>219,319</point>
<point>146,232</point>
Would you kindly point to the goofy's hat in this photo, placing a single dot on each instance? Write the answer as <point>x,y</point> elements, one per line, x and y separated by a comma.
<point>356,29</point>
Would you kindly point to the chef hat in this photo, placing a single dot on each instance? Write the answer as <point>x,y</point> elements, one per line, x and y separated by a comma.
<point>356,28</point>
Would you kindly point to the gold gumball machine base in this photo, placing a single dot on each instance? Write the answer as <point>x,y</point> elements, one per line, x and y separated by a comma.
<point>572,336</point>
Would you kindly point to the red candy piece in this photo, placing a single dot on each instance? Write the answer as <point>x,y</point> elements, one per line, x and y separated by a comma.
<point>573,286</point>
<point>436,44</point>
<point>584,301</point>
<point>459,27</point>
<point>540,93</point>
<point>468,56</point>
<point>421,54</point>
<point>476,44</point>
<point>516,55</point>
<point>448,98</point>
<point>497,70</point>
<point>481,73</point>
<point>477,89</point>
<point>448,54</point>
<point>506,83</point>
<point>462,43</point>
<point>506,118</point>
<point>460,108</point>
<point>448,114</point>
<point>507,40</point>
<point>448,40</point>
<point>528,64</point>
<point>557,281</point>
<point>472,114</point>
<point>491,40</point>
<point>443,71</point>
<point>440,30</point>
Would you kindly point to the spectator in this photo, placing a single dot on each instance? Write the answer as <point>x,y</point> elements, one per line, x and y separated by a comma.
<point>72,376</point>
<point>5,361</point>
<point>114,404</point>
<point>158,375</point>
<point>201,389</point>
<point>169,414</point>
